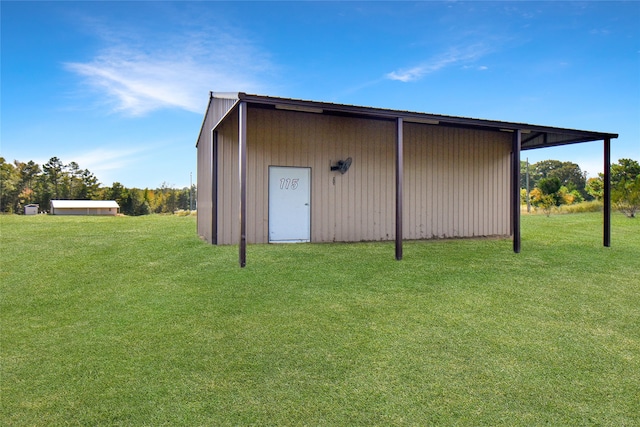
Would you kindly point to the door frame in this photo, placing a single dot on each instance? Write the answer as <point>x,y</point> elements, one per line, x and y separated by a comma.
<point>269,205</point>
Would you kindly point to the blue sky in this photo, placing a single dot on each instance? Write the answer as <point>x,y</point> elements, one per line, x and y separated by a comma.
<point>121,87</point>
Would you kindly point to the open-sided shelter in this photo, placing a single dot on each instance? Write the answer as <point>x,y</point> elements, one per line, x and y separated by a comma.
<point>275,169</point>
<point>84,207</point>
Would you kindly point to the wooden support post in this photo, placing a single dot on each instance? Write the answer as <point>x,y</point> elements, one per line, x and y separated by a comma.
<point>242,156</point>
<point>607,193</point>
<point>515,189</point>
<point>399,173</point>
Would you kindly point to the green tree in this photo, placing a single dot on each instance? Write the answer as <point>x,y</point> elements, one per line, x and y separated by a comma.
<point>569,174</point>
<point>9,183</point>
<point>550,186</point>
<point>625,186</point>
<point>118,193</point>
<point>53,174</point>
<point>595,188</point>
<point>549,193</point>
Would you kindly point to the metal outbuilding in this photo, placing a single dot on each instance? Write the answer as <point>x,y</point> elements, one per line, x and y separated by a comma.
<point>276,169</point>
<point>84,207</point>
<point>31,209</point>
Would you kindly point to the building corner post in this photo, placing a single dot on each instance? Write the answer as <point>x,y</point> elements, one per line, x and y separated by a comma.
<point>242,159</point>
<point>399,174</point>
<point>515,190</point>
<point>606,238</point>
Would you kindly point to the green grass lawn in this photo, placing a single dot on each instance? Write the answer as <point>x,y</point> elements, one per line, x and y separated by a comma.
<point>135,321</point>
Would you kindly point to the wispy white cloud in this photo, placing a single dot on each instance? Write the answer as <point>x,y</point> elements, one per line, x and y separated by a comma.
<point>105,163</point>
<point>102,160</point>
<point>175,72</point>
<point>454,56</point>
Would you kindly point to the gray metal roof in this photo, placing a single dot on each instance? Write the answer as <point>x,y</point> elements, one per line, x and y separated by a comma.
<point>533,136</point>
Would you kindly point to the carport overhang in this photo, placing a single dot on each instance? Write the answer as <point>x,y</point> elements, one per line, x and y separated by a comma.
<point>525,137</point>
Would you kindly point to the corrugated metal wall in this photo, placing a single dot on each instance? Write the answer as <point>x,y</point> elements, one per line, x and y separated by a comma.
<point>228,207</point>
<point>456,181</point>
<point>85,211</point>
<point>204,176</point>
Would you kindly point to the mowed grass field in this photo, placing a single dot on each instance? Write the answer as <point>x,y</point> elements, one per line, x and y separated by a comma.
<point>135,321</point>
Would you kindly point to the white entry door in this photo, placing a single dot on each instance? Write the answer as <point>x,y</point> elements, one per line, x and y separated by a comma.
<point>289,204</point>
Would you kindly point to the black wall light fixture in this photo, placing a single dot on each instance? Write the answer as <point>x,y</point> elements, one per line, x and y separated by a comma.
<point>342,165</point>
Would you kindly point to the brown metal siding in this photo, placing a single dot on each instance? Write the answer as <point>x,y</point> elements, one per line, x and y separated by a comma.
<point>205,180</point>
<point>229,184</point>
<point>455,180</point>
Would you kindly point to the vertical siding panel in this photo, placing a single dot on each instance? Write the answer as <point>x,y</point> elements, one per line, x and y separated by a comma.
<point>226,172</point>
<point>375,167</point>
<point>441,184</point>
<point>483,180</point>
<point>223,190</point>
<point>422,141</point>
<point>456,187</point>
<point>376,180</point>
<point>479,185</point>
<point>368,188</point>
<point>428,183</point>
<point>442,199</point>
<point>460,171</point>
<point>483,166</point>
<point>409,186</point>
<point>489,185</point>
<point>413,155</point>
<point>450,215</point>
<point>495,168</point>
<point>433,183</point>
<point>268,143</point>
<point>204,180</point>
<point>354,185</point>
<point>235,193</point>
<point>418,169</point>
<point>258,171</point>
<point>464,154</point>
<point>505,192</point>
<point>365,188</point>
<point>324,182</point>
<point>391,182</point>
<point>332,184</point>
<point>390,186</point>
<point>341,210</point>
<point>252,147</point>
<point>474,185</point>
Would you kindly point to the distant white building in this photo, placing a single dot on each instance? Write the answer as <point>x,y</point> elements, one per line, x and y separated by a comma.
<point>31,209</point>
<point>84,207</point>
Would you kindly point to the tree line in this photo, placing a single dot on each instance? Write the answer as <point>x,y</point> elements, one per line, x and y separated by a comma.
<point>24,183</point>
<point>551,183</point>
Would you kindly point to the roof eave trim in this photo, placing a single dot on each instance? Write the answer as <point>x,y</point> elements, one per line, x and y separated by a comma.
<point>425,117</point>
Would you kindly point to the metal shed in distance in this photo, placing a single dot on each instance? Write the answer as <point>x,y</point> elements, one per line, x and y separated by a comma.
<point>31,209</point>
<point>84,207</point>
<point>282,170</point>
